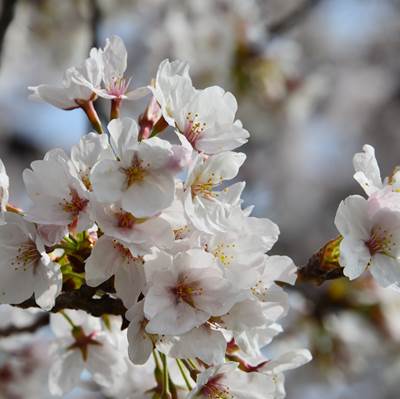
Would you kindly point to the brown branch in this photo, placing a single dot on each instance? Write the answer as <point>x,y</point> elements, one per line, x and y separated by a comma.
<point>41,321</point>
<point>292,19</point>
<point>82,299</point>
<point>6,17</point>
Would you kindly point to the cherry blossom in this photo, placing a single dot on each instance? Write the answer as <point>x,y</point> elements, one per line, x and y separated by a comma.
<point>370,240</point>
<point>25,267</point>
<point>185,293</point>
<point>204,205</point>
<point>59,197</point>
<point>82,343</point>
<point>113,63</point>
<point>71,94</point>
<point>140,179</point>
<point>227,381</point>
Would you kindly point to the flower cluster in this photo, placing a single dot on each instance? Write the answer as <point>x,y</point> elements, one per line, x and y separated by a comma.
<point>371,227</point>
<point>155,226</point>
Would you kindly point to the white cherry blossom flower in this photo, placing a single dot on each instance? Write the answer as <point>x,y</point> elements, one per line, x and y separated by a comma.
<point>4,190</point>
<point>227,381</point>
<point>276,269</point>
<point>140,178</point>
<point>140,233</point>
<point>59,197</point>
<point>113,61</point>
<point>91,149</point>
<point>185,292</point>
<point>172,83</point>
<point>204,205</point>
<point>208,120</point>
<point>109,257</point>
<point>83,346</point>
<point>368,174</point>
<point>369,240</point>
<point>288,361</point>
<point>240,251</point>
<point>71,94</point>
<point>25,267</point>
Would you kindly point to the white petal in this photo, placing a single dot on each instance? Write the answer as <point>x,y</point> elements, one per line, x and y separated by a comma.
<point>65,372</point>
<point>129,283</point>
<point>150,196</point>
<point>385,269</point>
<point>103,262</point>
<point>354,257</point>
<point>48,284</point>
<point>367,170</point>
<point>352,217</point>
<point>123,135</point>
<point>107,180</point>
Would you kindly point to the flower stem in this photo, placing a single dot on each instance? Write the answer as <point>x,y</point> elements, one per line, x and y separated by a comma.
<point>69,320</point>
<point>13,209</point>
<point>91,113</point>
<point>184,376</point>
<point>165,394</point>
<point>115,108</point>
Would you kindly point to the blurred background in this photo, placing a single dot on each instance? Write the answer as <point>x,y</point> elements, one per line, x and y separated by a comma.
<point>314,79</point>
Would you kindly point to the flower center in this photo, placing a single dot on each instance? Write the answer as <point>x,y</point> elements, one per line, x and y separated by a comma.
<point>75,204</point>
<point>205,188</point>
<point>220,252</point>
<point>27,254</point>
<point>126,252</point>
<point>82,341</point>
<point>86,180</point>
<point>118,86</point>
<point>215,390</point>
<point>193,127</point>
<point>126,220</point>
<point>380,241</point>
<point>260,291</point>
<point>185,293</point>
<point>135,173</point>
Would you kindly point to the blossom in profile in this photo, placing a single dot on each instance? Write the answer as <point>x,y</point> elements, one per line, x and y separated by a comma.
<point>70,94</point>
<point>371,240</point>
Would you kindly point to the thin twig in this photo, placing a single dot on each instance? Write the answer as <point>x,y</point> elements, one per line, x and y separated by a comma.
<point>41,321</point>
<point>82,299</point>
